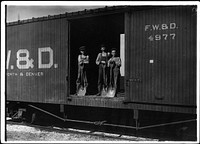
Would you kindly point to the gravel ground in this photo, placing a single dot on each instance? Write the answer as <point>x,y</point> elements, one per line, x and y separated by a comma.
<point>26,133</point>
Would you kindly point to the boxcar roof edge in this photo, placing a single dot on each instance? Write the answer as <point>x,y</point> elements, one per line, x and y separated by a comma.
<point>71,15</point>
<point>87,13</point>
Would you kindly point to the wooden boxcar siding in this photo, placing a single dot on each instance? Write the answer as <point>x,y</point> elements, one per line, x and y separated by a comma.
<point>50,86</point>
<point>161,70</point>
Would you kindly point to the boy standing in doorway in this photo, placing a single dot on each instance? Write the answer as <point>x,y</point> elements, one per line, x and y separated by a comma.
<point>102,60</point>
<point>83,61</point>
<point>114,63</point>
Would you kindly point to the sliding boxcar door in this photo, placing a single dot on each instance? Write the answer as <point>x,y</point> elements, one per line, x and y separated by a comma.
<point>161,55</point>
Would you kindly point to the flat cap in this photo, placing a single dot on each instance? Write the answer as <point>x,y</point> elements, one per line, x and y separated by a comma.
<point>114,49</point>
<point>82,48</point>
<point>103,46</point>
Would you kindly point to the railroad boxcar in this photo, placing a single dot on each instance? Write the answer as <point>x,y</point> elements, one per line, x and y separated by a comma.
<point>157,45</point>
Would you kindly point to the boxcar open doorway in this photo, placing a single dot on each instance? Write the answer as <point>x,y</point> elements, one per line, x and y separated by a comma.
<point>91,32</point>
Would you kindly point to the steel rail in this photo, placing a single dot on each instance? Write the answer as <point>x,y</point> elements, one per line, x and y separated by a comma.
<point>101,134</point>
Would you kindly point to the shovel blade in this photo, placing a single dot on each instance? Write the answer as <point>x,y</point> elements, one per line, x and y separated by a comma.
<point>111,92</point>
<point>81,91</point>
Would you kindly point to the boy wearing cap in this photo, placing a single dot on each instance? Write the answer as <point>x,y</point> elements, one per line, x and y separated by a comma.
<point>114,63</point>
<point>83,61</point>
<point>102,60</point>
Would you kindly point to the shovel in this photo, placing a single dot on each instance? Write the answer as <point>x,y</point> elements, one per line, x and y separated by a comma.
<point>111,91</point>
<point>81,91</point>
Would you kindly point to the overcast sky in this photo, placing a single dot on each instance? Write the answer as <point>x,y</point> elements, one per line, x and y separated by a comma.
<point>27,12</point>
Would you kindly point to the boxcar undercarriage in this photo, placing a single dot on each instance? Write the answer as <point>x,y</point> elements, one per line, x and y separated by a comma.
<point>165,125</point>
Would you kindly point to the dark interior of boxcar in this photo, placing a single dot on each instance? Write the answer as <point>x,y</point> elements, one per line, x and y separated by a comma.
<point>92,32</point>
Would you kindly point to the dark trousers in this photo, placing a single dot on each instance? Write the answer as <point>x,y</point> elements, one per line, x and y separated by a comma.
<point>82,77</point>
<point>102,79</point>
<point>114,75</point>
